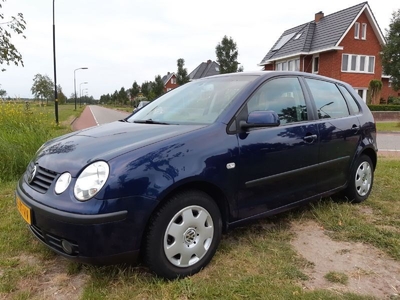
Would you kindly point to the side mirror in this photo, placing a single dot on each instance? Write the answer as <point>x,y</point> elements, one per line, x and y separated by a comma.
<point>256,119</point>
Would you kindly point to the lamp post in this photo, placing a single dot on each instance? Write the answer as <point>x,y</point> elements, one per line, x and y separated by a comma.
<point>80,89</point>
<point>55,72</point>
<point>83,68</point>
<point>80,98</point>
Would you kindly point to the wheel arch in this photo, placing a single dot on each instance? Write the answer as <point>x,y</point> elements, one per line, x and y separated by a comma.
<point>371,153</point>
<point>212,190</point>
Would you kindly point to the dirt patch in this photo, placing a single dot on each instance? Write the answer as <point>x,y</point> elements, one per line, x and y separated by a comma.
<point>53,282</point>
<point>389,154</point>
<point>370,271</point>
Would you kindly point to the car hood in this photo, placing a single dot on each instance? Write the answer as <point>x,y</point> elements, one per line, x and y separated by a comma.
<point>75,150</point>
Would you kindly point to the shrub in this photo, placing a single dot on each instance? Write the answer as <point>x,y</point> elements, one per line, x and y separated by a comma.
<point>384,107</point>
<point>22,132</point>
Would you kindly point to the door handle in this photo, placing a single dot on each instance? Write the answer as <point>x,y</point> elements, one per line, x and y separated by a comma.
<point>355,127</point>
<point>310,138</point>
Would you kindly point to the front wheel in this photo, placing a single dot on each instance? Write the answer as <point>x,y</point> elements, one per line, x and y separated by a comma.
<point>183,235</point>
<point>361,180</point>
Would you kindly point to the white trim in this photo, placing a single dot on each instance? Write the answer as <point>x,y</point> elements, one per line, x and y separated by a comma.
<point>313,63</point>
<point>373,22</point>
<point>270,61</point>
<point>357,61</point>
<point>357,30</point>
<point>364,31</point>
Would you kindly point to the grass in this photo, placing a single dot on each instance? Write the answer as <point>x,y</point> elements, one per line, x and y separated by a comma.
<point>337,277</point>
<point>388,126</point>
<point>252,262</point>
<point>23,130</point>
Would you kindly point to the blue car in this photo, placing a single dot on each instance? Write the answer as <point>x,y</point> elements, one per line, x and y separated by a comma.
<point>210,155</point>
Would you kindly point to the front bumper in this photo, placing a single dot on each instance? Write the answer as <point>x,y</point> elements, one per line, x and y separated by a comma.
<point>108,238</point>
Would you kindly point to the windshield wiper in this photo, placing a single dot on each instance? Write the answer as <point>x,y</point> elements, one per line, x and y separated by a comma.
<point>150,121</point>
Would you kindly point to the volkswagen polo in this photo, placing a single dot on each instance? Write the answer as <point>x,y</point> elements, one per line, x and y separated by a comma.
<point>212,154</point>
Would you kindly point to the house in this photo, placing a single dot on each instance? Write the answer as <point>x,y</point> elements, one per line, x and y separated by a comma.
<point>345,45</point>
<point>205,69</point>
<point>169,82</point>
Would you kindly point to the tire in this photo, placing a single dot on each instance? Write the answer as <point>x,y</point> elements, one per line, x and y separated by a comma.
<point>183,235</point>
<point>361,180</point>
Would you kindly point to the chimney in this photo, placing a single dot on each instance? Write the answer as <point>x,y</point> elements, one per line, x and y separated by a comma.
<point>168,73</point>
<point>209,61</point>
<point>318,16</point>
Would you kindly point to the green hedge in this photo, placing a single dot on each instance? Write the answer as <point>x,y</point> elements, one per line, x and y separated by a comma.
<point>384,107</point>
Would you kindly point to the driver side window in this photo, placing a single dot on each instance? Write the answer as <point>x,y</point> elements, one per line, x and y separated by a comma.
<point>283,96</point>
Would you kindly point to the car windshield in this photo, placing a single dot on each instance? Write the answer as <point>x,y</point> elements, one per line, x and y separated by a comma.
<point>197,102</point>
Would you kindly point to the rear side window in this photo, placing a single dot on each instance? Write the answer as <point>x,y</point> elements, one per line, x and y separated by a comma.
<point>282,95</point>
<point>328,99</point>
<point>350,100</point>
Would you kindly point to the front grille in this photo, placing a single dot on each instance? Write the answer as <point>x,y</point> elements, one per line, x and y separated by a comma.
<point>43,178</point>
<point>53,241</point>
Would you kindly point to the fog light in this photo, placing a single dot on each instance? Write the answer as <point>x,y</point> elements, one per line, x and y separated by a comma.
<point>67,246</point>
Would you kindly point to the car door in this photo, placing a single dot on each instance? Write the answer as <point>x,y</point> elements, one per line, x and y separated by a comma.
<point>339,133</point>
<point>276,164</point>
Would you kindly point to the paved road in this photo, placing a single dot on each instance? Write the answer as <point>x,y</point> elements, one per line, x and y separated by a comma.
<point>96,115</point>
<point>105,115</point>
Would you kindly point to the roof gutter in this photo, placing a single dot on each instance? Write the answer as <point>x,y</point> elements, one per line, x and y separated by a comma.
<point>300,53</point>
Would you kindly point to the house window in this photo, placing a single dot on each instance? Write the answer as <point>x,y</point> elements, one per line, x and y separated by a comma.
<point>315,64</point>
<point>284,66</point>
<point>297,65</point>
<point>358,63</point>
<point>290,65</point>
<point>362,92</point>
<point>353,65</point>
<point>173,80</point>
<point>364,31</point>
<point>371,64</point>
<point>357,30</point>
<point>278,67</point>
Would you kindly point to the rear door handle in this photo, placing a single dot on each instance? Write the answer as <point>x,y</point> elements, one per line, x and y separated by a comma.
<point>355,127</point>
<point>310,138</point>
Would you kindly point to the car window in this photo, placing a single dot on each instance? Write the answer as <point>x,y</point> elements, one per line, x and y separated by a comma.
<point>197,102</point>
<point>350,100</point>
<point>328,99</point>
<point>282,95</point>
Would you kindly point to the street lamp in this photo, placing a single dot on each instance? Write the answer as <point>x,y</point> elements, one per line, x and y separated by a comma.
<point>80,98</point>
<point>83,68</point>
<point>55,72</point>
<point>80,89</point>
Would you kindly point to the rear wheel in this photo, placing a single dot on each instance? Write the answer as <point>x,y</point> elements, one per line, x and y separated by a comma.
<point>361,180</point>
<point>183,235</point>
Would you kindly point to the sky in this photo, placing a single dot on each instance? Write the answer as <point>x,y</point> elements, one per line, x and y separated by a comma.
<point>123,41</point>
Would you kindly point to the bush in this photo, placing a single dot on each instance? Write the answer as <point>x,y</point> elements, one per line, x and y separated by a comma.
<point>384,107</point>
<point>394,100</point>
<point>22,132</point>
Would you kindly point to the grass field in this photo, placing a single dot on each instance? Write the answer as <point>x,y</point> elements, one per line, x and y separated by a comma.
<point>388,126</point>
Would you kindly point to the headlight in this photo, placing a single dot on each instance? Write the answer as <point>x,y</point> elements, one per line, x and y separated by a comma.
<point>91,180</point>
<point>62,183</point>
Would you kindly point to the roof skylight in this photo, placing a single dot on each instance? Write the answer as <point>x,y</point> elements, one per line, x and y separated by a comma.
<point>283,41</point>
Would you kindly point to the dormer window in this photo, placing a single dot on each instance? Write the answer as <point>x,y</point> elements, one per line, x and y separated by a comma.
<point>357,30</point>
<point>364,31</point>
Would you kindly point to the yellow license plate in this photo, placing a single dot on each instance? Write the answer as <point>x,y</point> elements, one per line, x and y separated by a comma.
<point>24,211</point>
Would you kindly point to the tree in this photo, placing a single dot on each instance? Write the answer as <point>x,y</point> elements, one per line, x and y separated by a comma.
<point>134,90</point>
<point>3,93</point>
<point>8,52</point>
<point>42,87</point>
<point>123,96</point>
<point>62,99</point>
<point>182,76</point>
<point>375,87</point>
<point>391,51</point>
<point>146,89</point>
<point>227,55</point>
<point>158,86</point>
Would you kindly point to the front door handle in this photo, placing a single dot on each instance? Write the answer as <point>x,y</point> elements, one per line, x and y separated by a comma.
<point>355,127</point>
<point>310,138</point>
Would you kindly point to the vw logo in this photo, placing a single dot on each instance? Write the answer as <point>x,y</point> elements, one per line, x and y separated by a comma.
<point>32,175</point>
